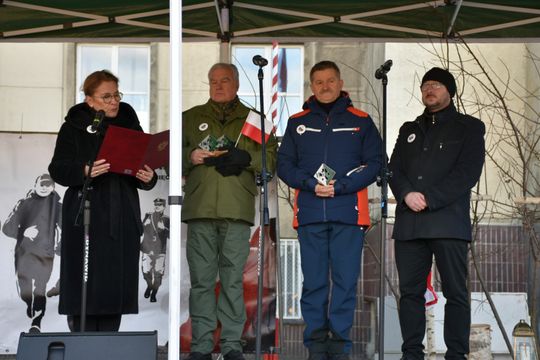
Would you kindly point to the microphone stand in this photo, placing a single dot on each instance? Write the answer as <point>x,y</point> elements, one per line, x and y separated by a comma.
<point>262,181</point>
<point>382,181</point>
<point>84,208</point>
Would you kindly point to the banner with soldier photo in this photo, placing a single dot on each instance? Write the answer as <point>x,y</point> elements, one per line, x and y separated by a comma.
<point>30,240</point>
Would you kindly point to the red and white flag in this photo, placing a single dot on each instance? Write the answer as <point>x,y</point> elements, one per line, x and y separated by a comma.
<point>252,127</point>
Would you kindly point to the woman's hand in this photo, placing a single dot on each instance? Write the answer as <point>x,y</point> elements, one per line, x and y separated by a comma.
<point>100,167</point>
<point>145,175</point>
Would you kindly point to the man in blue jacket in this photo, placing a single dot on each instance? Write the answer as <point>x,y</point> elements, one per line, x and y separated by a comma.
<point>331,210</point>
<point>437,160</point>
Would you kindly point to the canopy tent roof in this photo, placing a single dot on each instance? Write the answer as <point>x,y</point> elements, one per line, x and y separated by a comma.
<point>249,20</point>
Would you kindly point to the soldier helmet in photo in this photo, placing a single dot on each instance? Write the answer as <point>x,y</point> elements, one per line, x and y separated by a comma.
<point>159,201</point>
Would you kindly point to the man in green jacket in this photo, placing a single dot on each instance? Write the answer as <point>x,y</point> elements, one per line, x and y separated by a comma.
<point>219,208</point>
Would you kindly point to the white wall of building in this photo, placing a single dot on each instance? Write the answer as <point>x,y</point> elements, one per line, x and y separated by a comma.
<point>197,58</point>
<point>31,87</point>
<point>37,83</point>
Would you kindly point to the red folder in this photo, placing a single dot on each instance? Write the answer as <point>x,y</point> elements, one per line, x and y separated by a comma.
<point>129,150</point>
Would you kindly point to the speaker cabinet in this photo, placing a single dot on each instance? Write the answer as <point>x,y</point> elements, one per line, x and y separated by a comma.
<point>88,346</point>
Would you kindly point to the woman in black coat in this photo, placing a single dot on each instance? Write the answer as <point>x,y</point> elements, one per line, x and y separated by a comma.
<point>115,225</point>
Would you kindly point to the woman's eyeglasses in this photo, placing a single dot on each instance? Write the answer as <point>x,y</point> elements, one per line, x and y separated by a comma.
<point>108,98</point>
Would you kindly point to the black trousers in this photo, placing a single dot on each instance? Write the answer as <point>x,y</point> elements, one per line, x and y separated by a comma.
<point>414,260</point>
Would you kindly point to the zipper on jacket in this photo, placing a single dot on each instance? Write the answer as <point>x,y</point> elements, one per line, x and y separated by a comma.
<point>325,158</point>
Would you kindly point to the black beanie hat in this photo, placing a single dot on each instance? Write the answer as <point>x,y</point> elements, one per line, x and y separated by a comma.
<point>442,76</point>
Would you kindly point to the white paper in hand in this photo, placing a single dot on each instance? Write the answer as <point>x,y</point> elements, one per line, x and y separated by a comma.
<point>208,143</point>
<point>324,174</point>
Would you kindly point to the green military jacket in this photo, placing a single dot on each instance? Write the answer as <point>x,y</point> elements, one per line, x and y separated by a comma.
<point>208,194</point>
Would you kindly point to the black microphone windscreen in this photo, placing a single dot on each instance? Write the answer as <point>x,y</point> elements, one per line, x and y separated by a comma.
<point>383,69</point>
<point>259,60</point>
<point>98,118</point>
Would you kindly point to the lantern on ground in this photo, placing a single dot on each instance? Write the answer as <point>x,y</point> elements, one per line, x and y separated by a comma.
<point>524,344</point>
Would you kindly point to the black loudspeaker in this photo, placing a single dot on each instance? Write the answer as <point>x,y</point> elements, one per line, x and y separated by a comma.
<point>88,346</point>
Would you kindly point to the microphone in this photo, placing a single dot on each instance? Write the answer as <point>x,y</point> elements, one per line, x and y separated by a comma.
<point>383,69</point>
<point>260,61</point>
<point>98,118</point>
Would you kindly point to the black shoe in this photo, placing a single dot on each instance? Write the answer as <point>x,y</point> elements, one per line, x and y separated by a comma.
<point>408,357</point>
<point>34,329</point>
<point>317,356</point>
<point>234,355</point>
<point>153,296</point>
<point>147,292</point>
<point>341,356</point>
<point>199,356</point>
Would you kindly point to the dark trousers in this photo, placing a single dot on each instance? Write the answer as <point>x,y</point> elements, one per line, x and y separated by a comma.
<point>414,260</point>
<point>331,255</point>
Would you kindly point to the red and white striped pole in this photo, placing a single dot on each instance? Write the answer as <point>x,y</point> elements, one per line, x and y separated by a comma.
<point>273,111</point>
<point>273,105</point>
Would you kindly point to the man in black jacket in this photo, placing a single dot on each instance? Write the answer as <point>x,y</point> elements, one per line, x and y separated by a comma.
<point>436,161</point>
<point>35,223</point>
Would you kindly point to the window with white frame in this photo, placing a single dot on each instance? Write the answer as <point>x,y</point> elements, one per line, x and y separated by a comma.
<point>130,63</point>
<point>290,89</point>
<point>292,278</point>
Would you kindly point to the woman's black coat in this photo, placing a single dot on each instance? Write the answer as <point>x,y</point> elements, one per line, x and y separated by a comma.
<point>115,219</point>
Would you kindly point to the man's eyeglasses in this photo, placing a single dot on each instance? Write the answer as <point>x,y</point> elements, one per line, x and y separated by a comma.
<point>431,86</point>
<point>107,98</point>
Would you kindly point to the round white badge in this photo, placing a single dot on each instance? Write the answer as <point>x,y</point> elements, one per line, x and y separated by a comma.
<point>90,129</point>
<point>411,138</point>
<point>203,126</point>
<point>301,129</point>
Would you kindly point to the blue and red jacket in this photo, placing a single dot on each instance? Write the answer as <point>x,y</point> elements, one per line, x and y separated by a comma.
<point>346,140</point>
